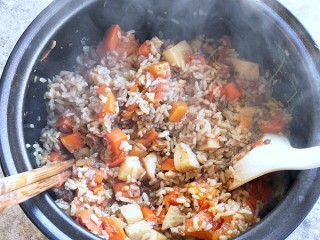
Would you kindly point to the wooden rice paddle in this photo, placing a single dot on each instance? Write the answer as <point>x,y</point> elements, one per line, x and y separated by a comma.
<point>273,153</point>
<point>19,188</point>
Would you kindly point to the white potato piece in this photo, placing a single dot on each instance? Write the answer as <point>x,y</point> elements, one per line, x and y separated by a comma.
<point>210,145</point>
<point>149,163</point>
<point>136,230</point>
<point>154,235</point>
<point>120,222</point>
<point>246,115</point>
<point>131,170</point>
<point>245,69</point>
<point>184,159</point>
<point>196,43</point>
<point>176,55</point>
<point>131,213</point>
<point>173,218</point>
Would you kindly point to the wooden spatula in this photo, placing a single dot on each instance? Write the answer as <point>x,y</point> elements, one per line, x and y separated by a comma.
<point>274,153</point>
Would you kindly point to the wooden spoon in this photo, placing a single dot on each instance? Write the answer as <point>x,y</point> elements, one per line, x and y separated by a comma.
<point>273,153</point>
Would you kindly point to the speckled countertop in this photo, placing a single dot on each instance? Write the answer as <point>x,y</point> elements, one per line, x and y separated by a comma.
<point>16,15</point>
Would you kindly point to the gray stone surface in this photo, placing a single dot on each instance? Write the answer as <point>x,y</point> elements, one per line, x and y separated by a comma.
<point>15,16</point>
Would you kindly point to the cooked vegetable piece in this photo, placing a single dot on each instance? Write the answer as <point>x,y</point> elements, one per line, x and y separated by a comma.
<point>204,204</point>
<point>131,213</point>
<point>84,218</point>
<point>184,159</point>
<point>72,142</point>
<point>131,169</point>
<point>245,69</point>
<point>111,38</point>
<point>197,189</point>
<point>138,152</point>
<point>133,88</point>
<point>128,112</point>
<point>168,165</point>
<point>173,218</point>
<point>161,216</point>
<point>136,231</point>
<point>115,138</point>
<point>210,145</point>
<point>217,91</point>
<point>275,124</point>
<point>128,190</point>
<point>223,51</point>
<point>109,106</point>
<point>154,235</point>
<point>178,111</point>
<point>160,70</point>
<point>127,45</point>
<point>195,58</point>
<point>120,158</point>
<point>246,115</point>
<point>149,163</point>
<point>98,177</point>
<point>176,55</point>
<point>65,124</point>
<point>56,157</point>
<point>117,40</point>
<point>144,49</point>
<point>121,223</point>
<point>171,198</point>
<point>113,229</point>
<point>196,43</point>
<point>149,137</point>
<point>160,90</point>
<point>148,214</point>
<point>232,91</point>
<point>202,217</point>
<point>97,189</point>
<point>102,89</point>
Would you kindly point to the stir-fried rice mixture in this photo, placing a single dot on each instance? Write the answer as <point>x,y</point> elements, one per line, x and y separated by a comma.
<point>155,128</point>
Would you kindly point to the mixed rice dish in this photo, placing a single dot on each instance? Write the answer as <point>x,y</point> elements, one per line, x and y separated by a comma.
<point>155,129</point>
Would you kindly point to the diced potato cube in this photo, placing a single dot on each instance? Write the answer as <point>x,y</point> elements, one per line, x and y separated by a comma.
<point>136,230</point>
<point>184,159</point>
<point>246,115</point>
<point>131,213</point>
<point>245,69</point>
<point>154,235</point>
<point>131,169</point>
<point>149,163</point>
<point>210,145</point>
<point>173,218</point>
<point>196,43</point>
<point>176,55</point>
<point>120,223</point>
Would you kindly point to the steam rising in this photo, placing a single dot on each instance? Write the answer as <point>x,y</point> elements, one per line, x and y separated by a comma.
<point>254,33</point>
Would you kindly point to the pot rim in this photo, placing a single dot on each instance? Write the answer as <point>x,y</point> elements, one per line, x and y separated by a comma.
<point>14,81</point>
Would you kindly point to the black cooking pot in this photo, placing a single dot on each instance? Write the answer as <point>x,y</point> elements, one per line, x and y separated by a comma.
<point>262,31</point>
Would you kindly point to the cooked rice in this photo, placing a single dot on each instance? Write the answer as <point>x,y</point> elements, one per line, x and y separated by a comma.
<point>74,95</point>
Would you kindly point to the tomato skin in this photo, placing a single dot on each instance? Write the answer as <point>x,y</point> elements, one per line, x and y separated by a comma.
<point>72,142</point>
<point>111,226</point>
<point>120,158</point>
<point>111,39</point>
<point>190,57</point>
<point>144,49</point>
<point>275,124</point>
<point>65,124</point>
<point>160,70</point>
<point>115,138</point>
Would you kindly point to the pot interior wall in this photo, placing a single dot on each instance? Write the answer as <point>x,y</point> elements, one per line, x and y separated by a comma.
<point>254,35</point>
